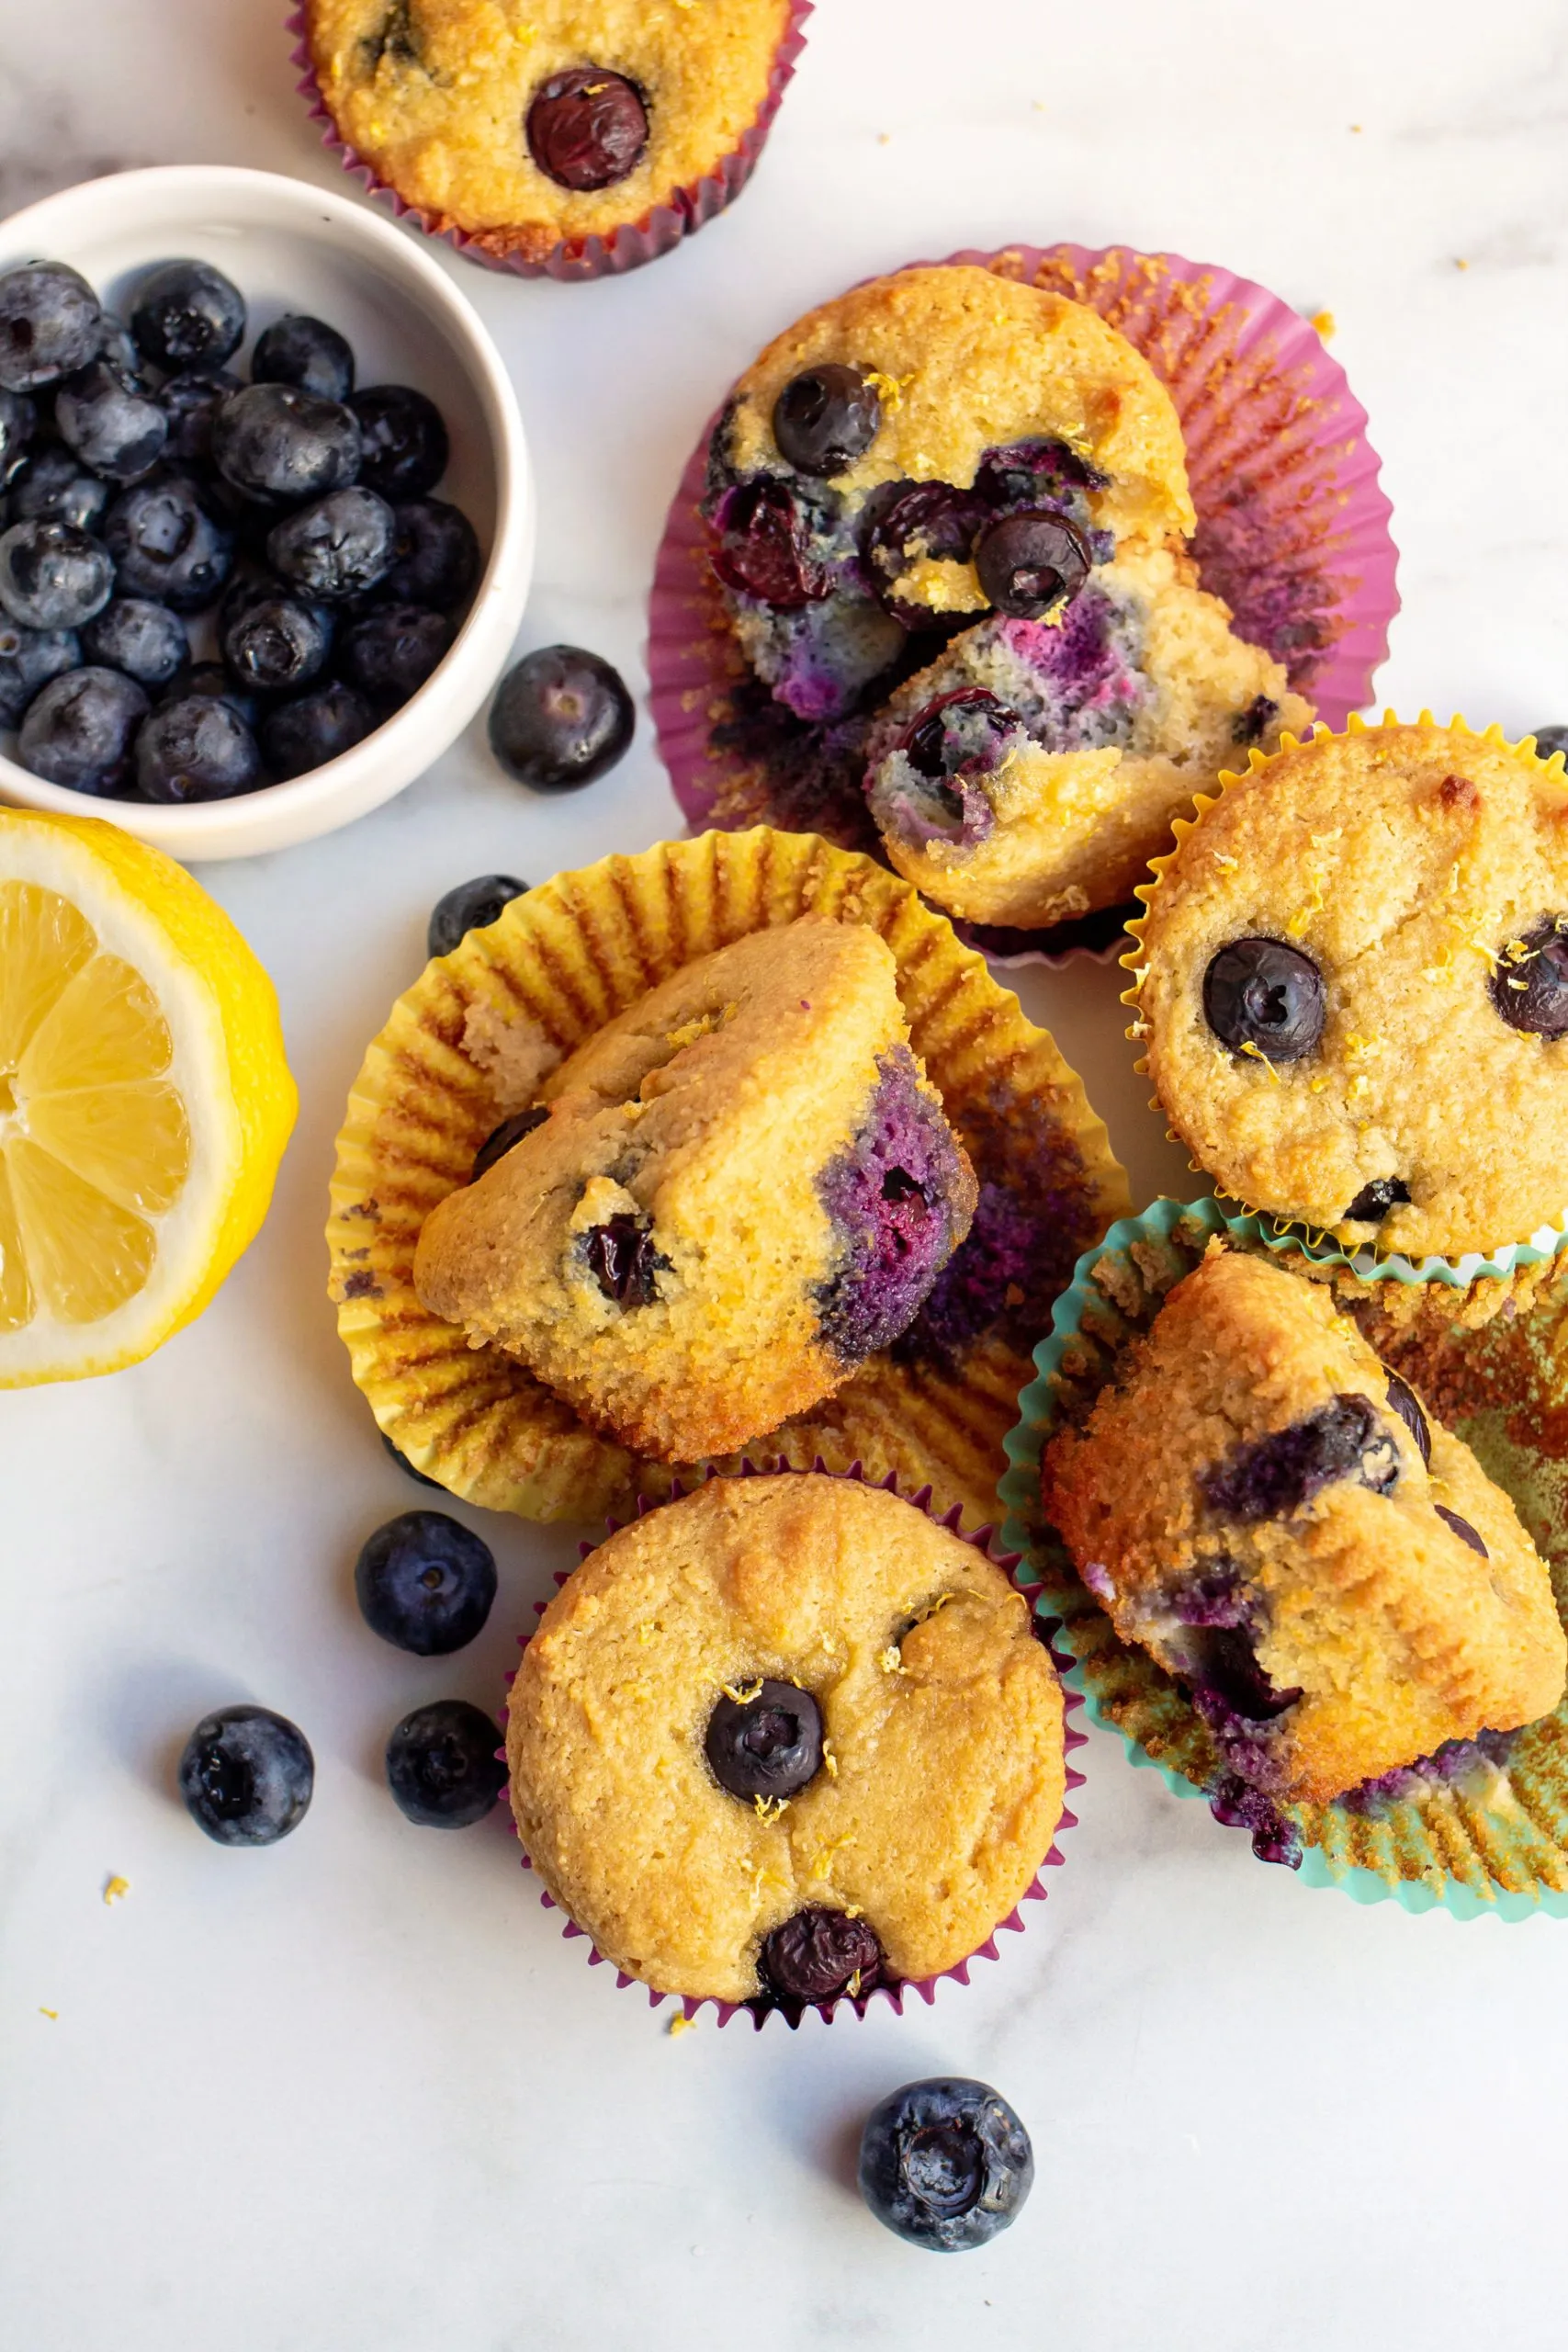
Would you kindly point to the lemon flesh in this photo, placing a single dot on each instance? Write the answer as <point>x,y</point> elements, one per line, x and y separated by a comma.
<point>144,1097</point>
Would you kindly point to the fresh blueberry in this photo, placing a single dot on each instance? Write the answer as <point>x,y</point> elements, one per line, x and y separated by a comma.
<point>276,441</point>
<point>623,1260</point>
<point>196,747</point>
<point>19,423</point>
<point>188,314</point>
<point>29,658</point>
<point>404,444</point>
<point>559,718</point>
<point>247,1776</point>
<point>502,1140</point>
<point>53,487</point>
<point>50,325</point>
<point>1407,1404</point>
<point>79,731</point>
<point>167,544</point>
<point>307,352</point>
<point>470,906</point>
<point>424,1583</point>
<point>1263,997</point>
<point>52,575</point>
<point>1273,1476</point>
<point>761,548</point>
<point>272,642</point>
<point>146,640</point>
<point>212,679</point>
<point>1028,564</point>
<point>765,1741</point>
<point>436,559</point>
<point>1549,740</point>
<point>945,2164</point>
<point>190,401</point>
<point>119,347</point>
<point>406,1465</point>
<point>442,1765</point>
<point>312,729</point>
<point>1462,1528</point>
<point>1373,1202</point>
<point>587,128</point>
<point>826,418</point>
<point>1529,981</point>
<point>819,1954</point>
<point>118,431</point>
<point>390,652</point>
<point>336,548</point>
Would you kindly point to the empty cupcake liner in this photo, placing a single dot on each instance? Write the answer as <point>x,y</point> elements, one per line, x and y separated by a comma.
<point>470,1042</point>
<point>1297,1234</point>
<point>1487,1356</point>
<point>627,247</point>
<point>984,1540</point>
<point>1292,532</point>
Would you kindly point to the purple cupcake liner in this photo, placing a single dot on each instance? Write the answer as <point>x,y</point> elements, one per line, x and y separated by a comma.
<point>1292,532</point>
<point>983,1541</point>
<point>574,258</point>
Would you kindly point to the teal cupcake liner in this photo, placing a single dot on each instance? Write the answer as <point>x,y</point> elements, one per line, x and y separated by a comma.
<point>1495,1368</point>
<point>1370,1266</point>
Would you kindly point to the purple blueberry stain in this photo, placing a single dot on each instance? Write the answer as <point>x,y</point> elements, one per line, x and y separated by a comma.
<point>889,1196</point>
<point>1278,1474</point>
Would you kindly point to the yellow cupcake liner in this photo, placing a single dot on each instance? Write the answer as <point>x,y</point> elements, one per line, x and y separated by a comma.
<point>472,1041</point>
<point>1296,1233</point>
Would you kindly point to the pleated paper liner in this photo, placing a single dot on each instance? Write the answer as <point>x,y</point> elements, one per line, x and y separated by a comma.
<point>470,1042</point>
<point>1297,1234</point>
<point>984,1540</point>
<point>627,247</point>
<point>1488,1356</point>
<point>1292,532</point>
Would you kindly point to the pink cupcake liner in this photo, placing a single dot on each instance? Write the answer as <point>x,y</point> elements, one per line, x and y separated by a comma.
<point>984,1539</point>
<point>627,247</point>
<point>1292,532</point>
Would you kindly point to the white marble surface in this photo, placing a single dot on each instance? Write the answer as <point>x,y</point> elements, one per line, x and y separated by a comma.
<point>357,2092</point>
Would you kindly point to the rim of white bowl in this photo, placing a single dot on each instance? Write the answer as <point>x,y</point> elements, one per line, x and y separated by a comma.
<point>280,815</point>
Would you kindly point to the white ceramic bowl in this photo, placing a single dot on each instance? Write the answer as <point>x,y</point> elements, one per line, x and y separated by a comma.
<point>290,247</point>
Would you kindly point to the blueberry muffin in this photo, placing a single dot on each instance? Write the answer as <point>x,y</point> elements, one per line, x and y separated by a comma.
<point>564,121</point>
<point>1269,1510</point>
<point>1029,775</point>
<point>731,1195</point>
<point>927,448</point>
<point>1352,987</point>
<point>784,1739</point>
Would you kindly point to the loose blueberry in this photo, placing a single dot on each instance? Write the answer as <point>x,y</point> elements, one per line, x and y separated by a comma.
<point>424,1583</point>
<point>53,487</point>
<point>52,575</point>
<point>436,559</point>
<point>469,905</point>
<point>307,352</point>
<point>826,418</point>
<point>1404,1400</point>
<point>190,402</point>
<point>1462,1528</point>
<point>404,444</point>
<point>1263,996</point>
<point>118,431</point>
<point>29,658</point>
<point>166,546</point>
<point>945,2164</point>
<point>276,441</point>
<point>766,1743</point>
<point>1251,725</point>
<point>188,314</point>
<point>623,1260</point>
<point>820,1953</point>
<point>338,548</point>
<point>146,640</point>
<point>391,652</point>
<point>210,678</point>
<point>247,1776</point>
<point>442,1765</point>
<point>1529,981</point>
<point>406,1465</point>
<point>272,642</point>
<point>1549,740</point>
<point>50,325</point>
<point>1028,564</point>
<point>500,1140</point>
<point>561,717</point>
<point>1373,1202</point>
<point>587,128</point>
<point>759,546</point>
<point>1281,1473</point>
<point>19,423</point>
<point>198,748</point>
<point>308,731</point>
<point>79,731</point>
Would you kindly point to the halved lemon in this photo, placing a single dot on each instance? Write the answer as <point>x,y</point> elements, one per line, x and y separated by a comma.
<point>144,1097</point>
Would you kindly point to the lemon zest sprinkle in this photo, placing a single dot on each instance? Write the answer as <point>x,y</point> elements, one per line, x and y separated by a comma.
<point>116,1888</point>
<point>742,1693</point>
<point>1259,1055</point>
<point>681,2025</point>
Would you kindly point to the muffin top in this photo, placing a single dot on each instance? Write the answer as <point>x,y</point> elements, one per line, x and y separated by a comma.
<point>1265,1506</point>
<point>742,1187</point>
<point>1353,987</point>
<point>887,1815</point>
<point>563,120</point>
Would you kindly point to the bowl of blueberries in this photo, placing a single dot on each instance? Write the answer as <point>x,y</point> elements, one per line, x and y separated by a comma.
<point>266,514</point>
